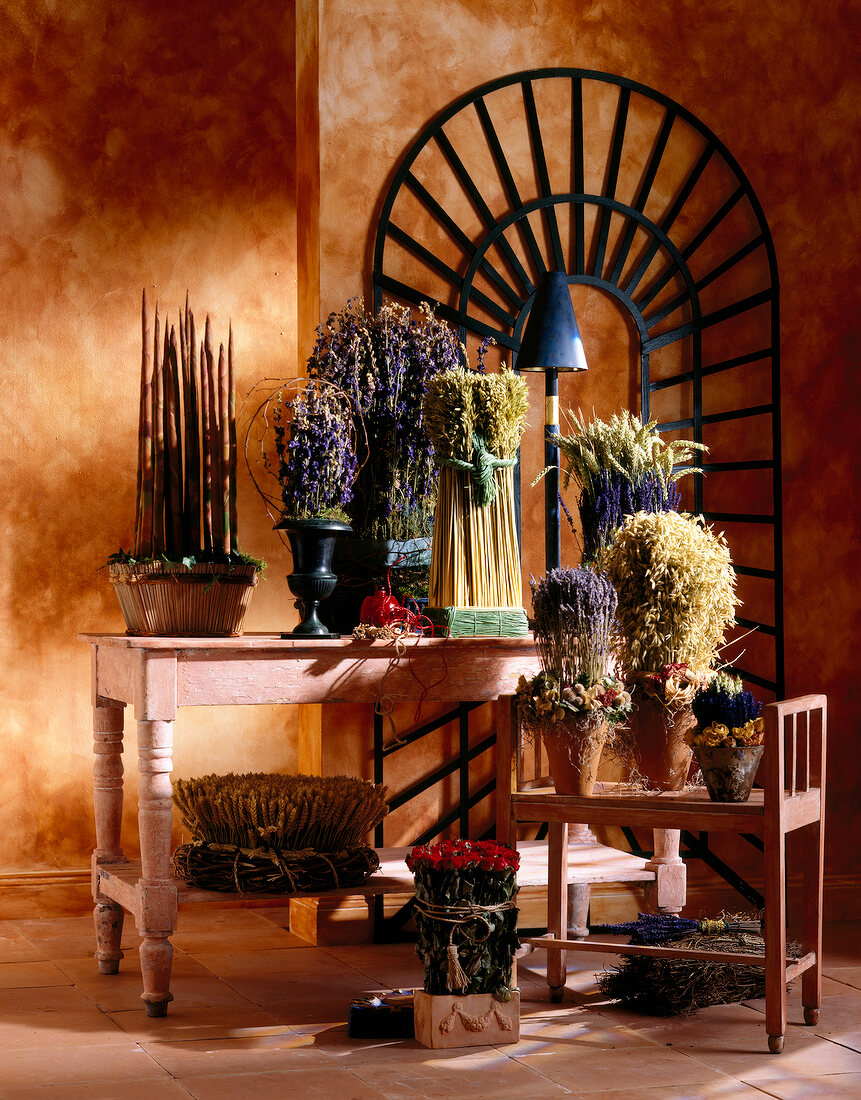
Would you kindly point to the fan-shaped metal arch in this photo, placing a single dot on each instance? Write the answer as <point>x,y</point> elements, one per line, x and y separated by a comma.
<point>627,192</point>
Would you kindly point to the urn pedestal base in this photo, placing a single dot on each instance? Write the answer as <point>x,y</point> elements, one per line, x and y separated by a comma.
<point>479,1020</point>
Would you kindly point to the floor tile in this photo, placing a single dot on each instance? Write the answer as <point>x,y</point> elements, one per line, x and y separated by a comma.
<point>271,1049</point>
<point>15,947</point>
<point>309,1084</point>
<point>39,1030</point>
<point>588,1070</point>
<point>190,1022</point>
<point>833,1086</point>
<point>153,1088</point>
<point>30,975</point>
<point>744,1054</point>
<point>51,1000</point>
<point>845,975</point>
<point>77,1066</point>
<point>468,1073</point>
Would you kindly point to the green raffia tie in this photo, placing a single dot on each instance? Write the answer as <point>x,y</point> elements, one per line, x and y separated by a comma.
<point>481,470</point>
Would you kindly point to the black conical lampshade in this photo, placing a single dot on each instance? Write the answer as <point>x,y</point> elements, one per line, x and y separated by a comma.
<point>551,339</point>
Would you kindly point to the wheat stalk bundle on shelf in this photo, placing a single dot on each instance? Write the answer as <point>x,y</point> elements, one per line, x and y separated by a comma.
<point>475,422</point>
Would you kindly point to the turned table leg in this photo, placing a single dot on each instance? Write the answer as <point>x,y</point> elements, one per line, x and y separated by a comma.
<point>156,892</point>
<point>667,893</point>
<point>108,811</point>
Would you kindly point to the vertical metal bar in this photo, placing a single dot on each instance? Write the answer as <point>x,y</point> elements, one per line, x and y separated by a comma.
<point>645,387</point>
<point>378,770</point>
<point>552,524</point>
<point>543,175</point>
<point>578,221</point>
<point>611,179</point>
<point>697,383</point>
<point>463,735</point>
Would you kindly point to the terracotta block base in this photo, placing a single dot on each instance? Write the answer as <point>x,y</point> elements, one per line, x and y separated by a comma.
<point>478,1020</point>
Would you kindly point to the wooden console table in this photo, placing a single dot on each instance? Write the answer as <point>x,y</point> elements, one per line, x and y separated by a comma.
<point>158,675</point>
<point>792,799</point>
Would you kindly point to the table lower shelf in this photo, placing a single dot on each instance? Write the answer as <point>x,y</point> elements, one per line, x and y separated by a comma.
<point>587,863</point>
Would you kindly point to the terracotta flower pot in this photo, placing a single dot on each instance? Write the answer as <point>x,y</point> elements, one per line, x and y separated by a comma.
<point>574,746</point>
<point>729,771</point>
<point>663,756</point>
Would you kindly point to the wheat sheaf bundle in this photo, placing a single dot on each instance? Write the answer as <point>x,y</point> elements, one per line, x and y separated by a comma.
<point>280,812</point>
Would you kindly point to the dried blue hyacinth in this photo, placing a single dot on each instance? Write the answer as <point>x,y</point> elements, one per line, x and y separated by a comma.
<point>573,612</point>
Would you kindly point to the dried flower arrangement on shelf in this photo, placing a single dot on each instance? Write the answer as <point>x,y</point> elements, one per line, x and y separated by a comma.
<point>384,363</point>
<point>728,738</point>
<point>300,448</point>
<point>621,467</point>
<point>676,590</point>
<point>302,441</point>
<point>475,421</point>
<point>575,699</point>
<point>185,573</point>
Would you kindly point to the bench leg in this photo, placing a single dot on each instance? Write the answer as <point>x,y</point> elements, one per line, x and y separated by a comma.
<point>557,905</point>
<point>667,893</point>
<point>812,859</point>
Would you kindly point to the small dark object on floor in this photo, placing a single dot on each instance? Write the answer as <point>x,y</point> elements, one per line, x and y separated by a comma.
<point>386,1017</point>
<point>662,986</point>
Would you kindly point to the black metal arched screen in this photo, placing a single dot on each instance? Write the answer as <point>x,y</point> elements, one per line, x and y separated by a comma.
<point>627,192</point>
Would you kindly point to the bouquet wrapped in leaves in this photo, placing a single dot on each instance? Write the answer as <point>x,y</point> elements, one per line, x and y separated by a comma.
<point>726,715</point>
<point>466,916</point>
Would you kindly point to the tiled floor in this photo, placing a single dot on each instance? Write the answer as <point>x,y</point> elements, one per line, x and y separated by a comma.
<point>257,1011</point>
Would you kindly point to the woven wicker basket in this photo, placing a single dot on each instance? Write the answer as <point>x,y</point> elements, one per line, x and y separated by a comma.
<point>172,599</point>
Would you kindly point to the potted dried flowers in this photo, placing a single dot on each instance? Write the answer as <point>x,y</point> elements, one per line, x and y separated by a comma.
<point>676,590</point>
<point>466,919</point>
<point>302,440</point>
<point>575,699</point>
<point>621,467</point>
<point>384,362</point>
<point>728,738</point>
<point>475,421</point>
<point>185,573</point>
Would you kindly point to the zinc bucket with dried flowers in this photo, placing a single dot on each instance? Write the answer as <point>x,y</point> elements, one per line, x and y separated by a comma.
<point>575,701</point>
<point>676,589</point>
<point>728,738</point>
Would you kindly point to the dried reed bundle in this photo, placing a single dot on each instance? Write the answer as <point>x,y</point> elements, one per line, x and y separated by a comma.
<point>475,422</point>
<point>186,499</point>
<point>226,867</point>
<point>280,812</point>
<point>661,986</point>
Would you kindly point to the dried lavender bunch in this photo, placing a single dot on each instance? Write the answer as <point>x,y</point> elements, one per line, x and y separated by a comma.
<point>573,612</point>
<point>622,466</point>
<point>316,458</point>
<point>384,363</point>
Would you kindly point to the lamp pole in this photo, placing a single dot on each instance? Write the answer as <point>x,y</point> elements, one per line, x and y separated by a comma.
<point>551,343</point>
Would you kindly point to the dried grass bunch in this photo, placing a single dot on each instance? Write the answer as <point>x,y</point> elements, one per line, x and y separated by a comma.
<point>280,812</point>
<point>462,403</point>
<point>621,466</point>
<point>676,590</point>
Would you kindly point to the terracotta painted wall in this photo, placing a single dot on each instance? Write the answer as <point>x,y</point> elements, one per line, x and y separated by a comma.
<point>149,144</point>
<point>779,85</point>
<point>156,144</point>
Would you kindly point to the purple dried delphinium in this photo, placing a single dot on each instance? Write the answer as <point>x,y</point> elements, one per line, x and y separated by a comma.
<point>316,456</point>
<point>383,363</point>
<point>573,611</point>
<point>612,497</point>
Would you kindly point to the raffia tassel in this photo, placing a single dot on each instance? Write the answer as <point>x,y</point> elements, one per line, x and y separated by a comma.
<point>456,977</point>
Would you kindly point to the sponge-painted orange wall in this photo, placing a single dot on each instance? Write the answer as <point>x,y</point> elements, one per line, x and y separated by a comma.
<point>171,145</point>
